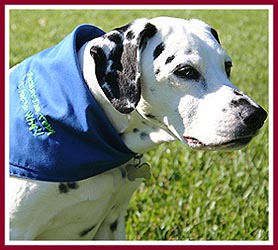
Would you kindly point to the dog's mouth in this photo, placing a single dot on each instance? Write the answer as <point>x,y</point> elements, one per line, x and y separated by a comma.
<point>226,145</point>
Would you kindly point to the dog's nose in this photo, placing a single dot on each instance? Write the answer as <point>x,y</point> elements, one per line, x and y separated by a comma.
<point>253,117</point>
<point>256,118</point>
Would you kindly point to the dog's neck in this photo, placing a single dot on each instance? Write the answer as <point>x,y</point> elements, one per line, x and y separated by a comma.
<point>138,133</point>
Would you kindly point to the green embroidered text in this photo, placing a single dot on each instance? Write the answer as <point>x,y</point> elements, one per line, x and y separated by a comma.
<point>30,103</point>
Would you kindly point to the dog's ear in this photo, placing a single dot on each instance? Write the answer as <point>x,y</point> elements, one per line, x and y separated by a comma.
<point>117,59</point>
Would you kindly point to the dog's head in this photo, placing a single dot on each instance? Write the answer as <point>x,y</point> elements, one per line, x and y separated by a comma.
<point>175,73</point>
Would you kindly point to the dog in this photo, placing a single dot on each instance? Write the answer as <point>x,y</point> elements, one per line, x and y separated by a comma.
<point>157,80</point>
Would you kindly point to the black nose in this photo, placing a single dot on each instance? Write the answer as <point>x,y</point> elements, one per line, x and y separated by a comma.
<point>253,117</point>
<point>256,118</point>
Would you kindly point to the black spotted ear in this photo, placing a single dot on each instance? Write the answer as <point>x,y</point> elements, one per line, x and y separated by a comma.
<point>117,59</point>
<point>215,35</point>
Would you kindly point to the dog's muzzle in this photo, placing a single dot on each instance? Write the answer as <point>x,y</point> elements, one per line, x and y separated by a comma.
<point>250,119</point>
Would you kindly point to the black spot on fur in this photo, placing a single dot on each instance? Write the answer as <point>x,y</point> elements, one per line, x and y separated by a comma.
<point>123,172</point>
<point>114,225</point>
<point>148,32</point>
<point>65,187</point>
<point>86,231</point>
<point>130,35</point>
<point>123,28</point>
<point>150,116</point>
<point>143,135</point>
<point>119,83</point>
<point>72,185</point>
<point>110,80</point>
<point>237,92</point>
<point>239,102</point>
<point>115,57</point>
<point>215,35</point>
<point>157,71</point>
<point>158,50</point>
<point>115,37</point>
<point>123,80</point>
<point>129,62</point>
<point>169,59</point>
<point>135,130</point>
<point>101,61</point>
<point>153,90</point>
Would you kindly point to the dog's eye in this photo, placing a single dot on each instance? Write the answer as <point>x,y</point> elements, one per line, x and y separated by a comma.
<point>187,72</point>
<point>228,66</point>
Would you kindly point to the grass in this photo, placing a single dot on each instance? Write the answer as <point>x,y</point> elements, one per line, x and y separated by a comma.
<point>192,195</point>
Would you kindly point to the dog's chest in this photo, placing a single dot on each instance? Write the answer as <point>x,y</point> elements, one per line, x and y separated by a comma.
<point>74,211</point>
<point>92,204</point>
<point>77,222</point>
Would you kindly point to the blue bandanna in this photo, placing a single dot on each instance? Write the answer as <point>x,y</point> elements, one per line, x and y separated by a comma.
<point>58,132</point>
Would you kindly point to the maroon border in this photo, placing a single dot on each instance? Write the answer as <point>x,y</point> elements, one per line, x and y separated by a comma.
<point>142,2</point>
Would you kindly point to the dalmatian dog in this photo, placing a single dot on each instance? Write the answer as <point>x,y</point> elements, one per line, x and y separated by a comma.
<point>157,80</point>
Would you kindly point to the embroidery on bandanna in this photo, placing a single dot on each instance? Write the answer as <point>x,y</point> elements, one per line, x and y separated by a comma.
<point>37,122</point>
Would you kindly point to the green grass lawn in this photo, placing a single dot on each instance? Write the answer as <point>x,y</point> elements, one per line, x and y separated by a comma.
<point>192,195</point>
